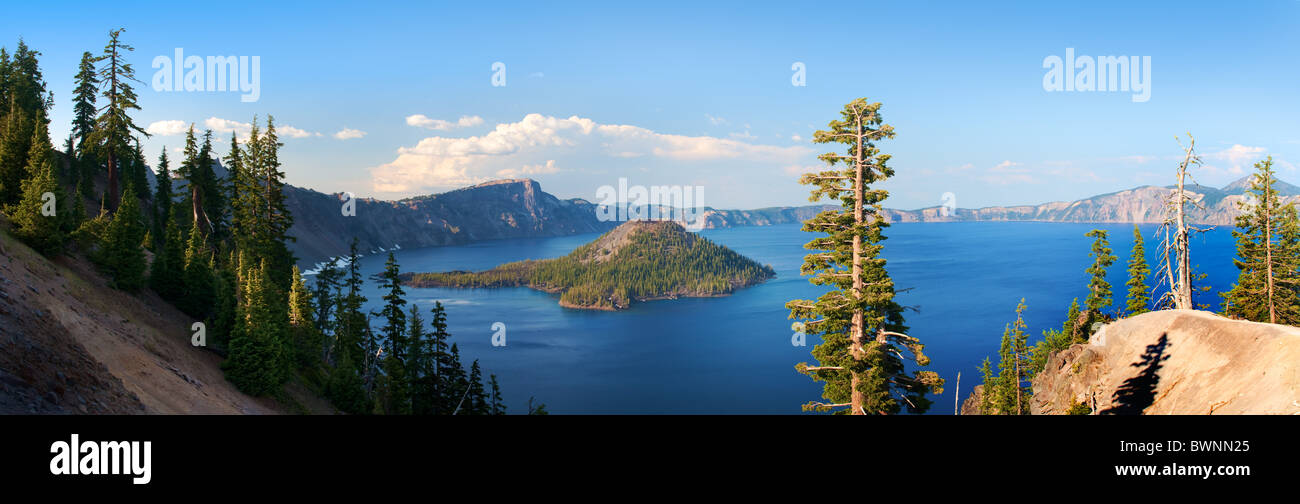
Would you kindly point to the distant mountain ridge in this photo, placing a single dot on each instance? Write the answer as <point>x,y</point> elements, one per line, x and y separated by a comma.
<point>518,208</point>
<point>1140,205</point>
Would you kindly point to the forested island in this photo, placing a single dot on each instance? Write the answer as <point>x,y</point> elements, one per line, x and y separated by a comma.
<point>639,260</point>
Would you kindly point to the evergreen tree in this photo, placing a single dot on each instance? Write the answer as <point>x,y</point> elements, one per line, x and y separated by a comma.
<point>1012,396</point>
<point>346,389</point>
<point>225,310</point>
<point>478,399</point>
<point>114,128</point>
<point>83,101</point>
<point>162,199</point>
<point>120,250</point>
<point>325,285</point>
<point>498,407</point>
<point>351,322</point>
<point>1268,255</point>
<point>37,216</point>
<point>860,323</point>
<point>167,273</point>
<point>15,146</point>
<point>306,337</point>
<point>1099,292</point>
<point>1139,298</point>
<point>419,363</point>
<point>444,366</point>
<point>26,87</point>
<point>256,346</point>
<point>200,290</point>
<point>394,334</point>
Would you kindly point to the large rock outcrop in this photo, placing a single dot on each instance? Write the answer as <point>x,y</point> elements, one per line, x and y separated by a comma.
<point>1176,362</point>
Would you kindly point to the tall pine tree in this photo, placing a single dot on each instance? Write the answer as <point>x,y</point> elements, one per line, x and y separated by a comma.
<point>859,321</point>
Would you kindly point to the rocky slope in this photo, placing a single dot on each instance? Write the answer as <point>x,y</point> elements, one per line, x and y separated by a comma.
<point>490,211</point>
<point>1176,362</point>
<point>1146,204</point>
<point>71,344</point>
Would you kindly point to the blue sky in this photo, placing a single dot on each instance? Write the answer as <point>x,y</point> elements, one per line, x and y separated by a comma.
<point>701,95</point>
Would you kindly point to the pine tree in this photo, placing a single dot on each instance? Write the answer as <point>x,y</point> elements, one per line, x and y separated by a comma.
<point>200,290</point>
<point>444,366</point>
<point>255,362</point>
<point>83,101</point>
<point>26,87</point>
<point>419,364</point>
<point>346,389</point>
<point>1099,292</point>
<point>306,337</point>
<point>162,198</point>
<point>225,309</point>
<point>120,250</point>
<point>15,146</point>
<point>1267,258</point>
<point>991,388</point>
<point>498,407</point>
<point>1139,298</point>
<point>1011,396</point>
<point>478,399</point>
<point>114,128</point>
<point>860,323</point>
<point>325,284</point>
<point>394,334</point>
<point>39,218</point>
<point>167,273</point>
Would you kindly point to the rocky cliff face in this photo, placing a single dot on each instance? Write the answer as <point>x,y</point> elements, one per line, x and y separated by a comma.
<point>1146,204</point>
<point>494,210</point>
<point>1176,362</point>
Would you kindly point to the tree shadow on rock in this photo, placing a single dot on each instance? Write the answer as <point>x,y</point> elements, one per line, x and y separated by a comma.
<point>1139,392</point>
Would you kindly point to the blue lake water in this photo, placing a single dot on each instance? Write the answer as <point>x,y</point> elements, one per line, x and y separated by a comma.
<point>734,354</point>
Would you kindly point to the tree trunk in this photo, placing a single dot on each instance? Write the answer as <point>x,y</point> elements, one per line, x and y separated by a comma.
<point>859,327</point>
<point>112,196</point>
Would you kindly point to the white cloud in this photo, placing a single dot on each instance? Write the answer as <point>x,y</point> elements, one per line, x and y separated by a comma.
<point>426,122</point>
<point>349,133</point>
<point>1236,158</point>
<point>715,120</point>
<point>743,136</point>
<point>167,128</point>
<point>440,162</point>
<point>537,169</point>
<point>220,125</point>
<point>1008,172</point>
<point>292,132</point>
<point>796,169</point>
<point>796,138</point>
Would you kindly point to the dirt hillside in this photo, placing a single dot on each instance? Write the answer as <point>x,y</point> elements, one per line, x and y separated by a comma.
<point>71,344</point>
<point>1176,362</point>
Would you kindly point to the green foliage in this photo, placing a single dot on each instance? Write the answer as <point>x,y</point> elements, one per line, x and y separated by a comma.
<point>256,343</point>
<point>1268,255</point>
<point>1099,292</point>
<point>40,218</point>
<point>114,129</point>
<point>166,276</point>
<point>660,260</point>
<point>200,290</point>
<point>1079,409</point>
<point>1009,393</point>
<point>120,253</point>
<point>859,321</point>
<point>1139,297</point>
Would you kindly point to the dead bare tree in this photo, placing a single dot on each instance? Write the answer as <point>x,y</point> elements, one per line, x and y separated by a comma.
<point>1175,232</point>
